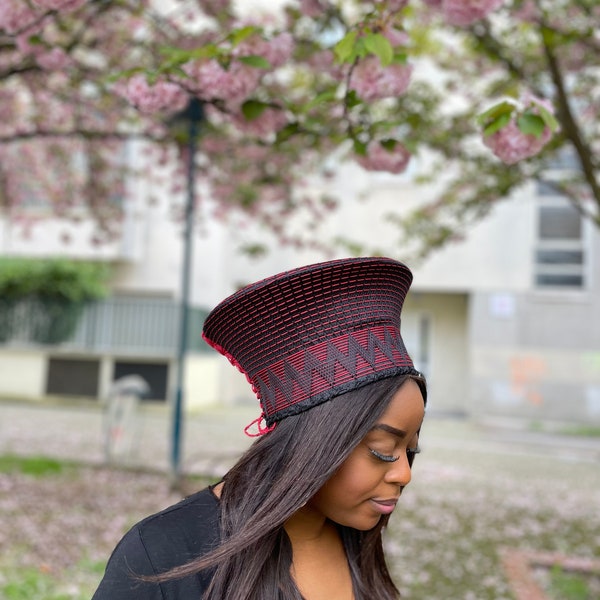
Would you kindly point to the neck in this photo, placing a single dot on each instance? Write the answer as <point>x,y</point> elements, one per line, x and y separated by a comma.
<point>308,526</point>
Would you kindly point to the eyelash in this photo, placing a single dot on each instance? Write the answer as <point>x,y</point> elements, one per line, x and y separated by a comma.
<point>390,459</point>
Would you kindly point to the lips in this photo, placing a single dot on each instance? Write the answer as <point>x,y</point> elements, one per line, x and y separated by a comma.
<point>386,506</point>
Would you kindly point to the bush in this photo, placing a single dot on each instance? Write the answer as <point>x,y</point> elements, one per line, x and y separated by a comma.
<point>50,292</point>
<point>55,279</point>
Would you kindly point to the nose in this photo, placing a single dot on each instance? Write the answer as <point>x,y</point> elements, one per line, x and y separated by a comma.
<point>399,472</point>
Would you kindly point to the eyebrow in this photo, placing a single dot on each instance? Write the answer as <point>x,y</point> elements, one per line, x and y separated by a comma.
<point>397,432</point>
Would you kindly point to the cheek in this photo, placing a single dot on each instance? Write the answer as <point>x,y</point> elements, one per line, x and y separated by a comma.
<point>354,479</point>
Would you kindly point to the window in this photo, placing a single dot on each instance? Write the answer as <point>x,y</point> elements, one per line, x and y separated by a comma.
<point>416,334</point>
<point>155,374</point>
<point>73,377</point>
<point>559,255</point>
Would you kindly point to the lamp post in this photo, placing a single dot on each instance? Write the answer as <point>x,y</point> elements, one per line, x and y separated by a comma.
<point>185,125</point>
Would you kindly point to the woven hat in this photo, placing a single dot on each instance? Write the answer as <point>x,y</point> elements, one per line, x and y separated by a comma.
<point>307,335</point>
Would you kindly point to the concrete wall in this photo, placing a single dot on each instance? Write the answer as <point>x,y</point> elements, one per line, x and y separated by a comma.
<point>448,365</point>
<point>536,356</point>
<point>22,374</point>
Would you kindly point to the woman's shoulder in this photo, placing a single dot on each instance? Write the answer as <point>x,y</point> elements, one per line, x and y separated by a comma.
<point>201,502</point>
<point>191,526</point>
<point>167,539</point>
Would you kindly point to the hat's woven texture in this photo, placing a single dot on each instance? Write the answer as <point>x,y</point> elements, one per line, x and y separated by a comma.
<point>307,335</point>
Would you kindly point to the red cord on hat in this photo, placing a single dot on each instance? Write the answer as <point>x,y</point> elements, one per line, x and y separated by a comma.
<point>261,430</point>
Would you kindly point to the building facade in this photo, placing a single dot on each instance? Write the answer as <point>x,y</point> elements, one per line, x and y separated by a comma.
<point>505,324</point>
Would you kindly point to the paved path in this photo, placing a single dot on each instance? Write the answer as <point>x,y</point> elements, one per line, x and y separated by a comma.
<point>214,438</point>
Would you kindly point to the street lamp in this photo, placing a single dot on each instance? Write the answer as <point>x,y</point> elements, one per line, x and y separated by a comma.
<point>185,127</point>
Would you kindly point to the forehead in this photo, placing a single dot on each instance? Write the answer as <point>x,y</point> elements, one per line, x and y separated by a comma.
<point>405,411</point>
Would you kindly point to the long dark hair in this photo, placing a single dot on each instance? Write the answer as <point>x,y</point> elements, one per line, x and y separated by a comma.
<point>276,476</point>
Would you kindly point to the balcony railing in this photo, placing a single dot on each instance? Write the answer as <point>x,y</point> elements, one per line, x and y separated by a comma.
<point>118,325</point>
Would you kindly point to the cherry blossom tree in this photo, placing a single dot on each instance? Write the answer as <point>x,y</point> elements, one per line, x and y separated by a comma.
<point>486,93</point>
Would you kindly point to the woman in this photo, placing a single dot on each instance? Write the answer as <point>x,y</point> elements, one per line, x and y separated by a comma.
<point>300,515</point>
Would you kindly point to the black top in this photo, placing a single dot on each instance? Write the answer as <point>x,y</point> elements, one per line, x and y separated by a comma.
<point>170,538</point>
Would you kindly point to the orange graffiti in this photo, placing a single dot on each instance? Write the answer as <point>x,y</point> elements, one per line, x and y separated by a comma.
<point>525,375</point>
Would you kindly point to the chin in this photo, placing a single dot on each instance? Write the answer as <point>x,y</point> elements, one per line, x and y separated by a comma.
<point>362,525</point>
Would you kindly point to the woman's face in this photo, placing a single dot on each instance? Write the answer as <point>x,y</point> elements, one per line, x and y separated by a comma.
<point>371,479</point>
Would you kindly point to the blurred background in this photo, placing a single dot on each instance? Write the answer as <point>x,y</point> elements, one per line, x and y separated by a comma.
<point>115,246</point>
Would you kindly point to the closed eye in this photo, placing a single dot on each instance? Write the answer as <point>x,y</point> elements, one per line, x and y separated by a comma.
<point>383,457</point>
<point>411,453</point>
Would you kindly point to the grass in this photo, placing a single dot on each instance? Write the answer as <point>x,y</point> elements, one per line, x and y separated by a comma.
<point>35,466</point>
<point>32,584</point>
<point>568,585</point>
<point>18,583</point>
<point>582,431</point>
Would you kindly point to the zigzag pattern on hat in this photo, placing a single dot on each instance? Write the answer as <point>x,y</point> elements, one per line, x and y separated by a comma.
<point>315,370</point>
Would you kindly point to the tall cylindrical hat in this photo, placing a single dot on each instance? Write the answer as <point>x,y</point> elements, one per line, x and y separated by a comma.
<point>307,335</point>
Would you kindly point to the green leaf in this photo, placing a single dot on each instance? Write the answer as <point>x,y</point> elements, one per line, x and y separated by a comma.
<point>325,96</point>
<point>360,148</point>
<point>207,51</point>
<point>345,47</point>
<point>127,73</point>
<point>400,57</point>
<point>237,36</point>
<point>352,99</point>
<point>173,57</point>
<point>252,109</point>
<point>389,144</point>
<point>380,46</point>
<point>531,124</point>
<point>252,60</point>
<point>287,132</point>
<point>495,111</point>
<point>35,39</point>
<point>360,50</point>
<point>497,124</point>
<point>152,76</point>
<point>548,117</point>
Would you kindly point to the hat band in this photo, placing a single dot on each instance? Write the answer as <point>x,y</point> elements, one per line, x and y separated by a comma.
<point>316,373</point>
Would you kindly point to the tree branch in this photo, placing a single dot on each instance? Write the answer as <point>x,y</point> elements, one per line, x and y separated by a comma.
<point>571,129</point>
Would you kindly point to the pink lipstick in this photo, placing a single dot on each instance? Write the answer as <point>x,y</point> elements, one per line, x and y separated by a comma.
<point>385,507</point>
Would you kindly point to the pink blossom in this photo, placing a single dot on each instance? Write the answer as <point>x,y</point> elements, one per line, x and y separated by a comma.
<point>465,12</point>
<point>216,7</point>
<point>55,59</point>
<point>395,5</point>
<point>277,50</point>
<point>18,15</point>
<point>312,8</point>
<point>268,122</point>
<point>15,15</point>
<point>148,98</point>
<point>396,37</point>
<point>511,145</point>
<point>529,11</point>
<point>528,100</point>
<point>323,61</point>
<point>372,81</point>
<point>67,5</point>
<point>211,81</point>
<point>379,158</point>
<point>280,49</point>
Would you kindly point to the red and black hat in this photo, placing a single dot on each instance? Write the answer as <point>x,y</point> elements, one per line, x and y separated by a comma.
<point>307,335</point>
